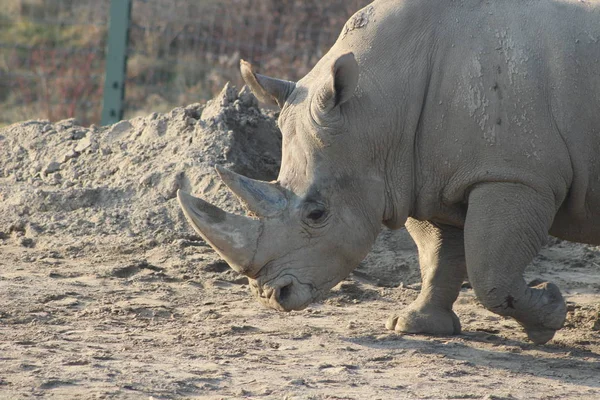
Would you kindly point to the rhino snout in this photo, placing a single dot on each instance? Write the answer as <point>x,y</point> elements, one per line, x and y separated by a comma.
<point>286,294</point>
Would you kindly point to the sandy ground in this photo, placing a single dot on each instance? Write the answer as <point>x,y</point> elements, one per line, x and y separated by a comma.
<point>106,292</point>
<point>173,321</point>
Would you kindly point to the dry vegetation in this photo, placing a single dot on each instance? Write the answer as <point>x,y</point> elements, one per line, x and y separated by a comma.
<point>52,52</point>
<point>51,59</point>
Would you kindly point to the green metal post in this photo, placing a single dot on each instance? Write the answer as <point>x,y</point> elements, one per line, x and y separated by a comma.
<point>116,62</point>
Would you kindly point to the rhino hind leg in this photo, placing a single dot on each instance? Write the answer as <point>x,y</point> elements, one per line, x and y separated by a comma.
<point>442,263</point>
<point>506,226</point>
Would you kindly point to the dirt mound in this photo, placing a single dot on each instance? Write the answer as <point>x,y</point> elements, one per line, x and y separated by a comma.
<point>66,185</point>
<point>121,181</point>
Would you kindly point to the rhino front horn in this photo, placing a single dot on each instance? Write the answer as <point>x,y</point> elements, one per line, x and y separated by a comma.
<point>261,198</point>
<point>234,237</point>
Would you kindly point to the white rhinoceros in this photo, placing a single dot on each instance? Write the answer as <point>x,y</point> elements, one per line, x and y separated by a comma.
<point>475,124</point>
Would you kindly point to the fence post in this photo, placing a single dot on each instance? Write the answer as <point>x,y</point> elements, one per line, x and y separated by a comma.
<point>116,62</point>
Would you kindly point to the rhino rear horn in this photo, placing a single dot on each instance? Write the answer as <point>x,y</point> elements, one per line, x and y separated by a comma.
<point>261,198</point>
<point>234,237</point>
<point>268,90</point>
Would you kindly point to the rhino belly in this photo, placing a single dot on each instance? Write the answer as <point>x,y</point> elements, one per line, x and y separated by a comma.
<point>581,224</point>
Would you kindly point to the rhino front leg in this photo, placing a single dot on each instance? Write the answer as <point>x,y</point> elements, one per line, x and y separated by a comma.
<point>442,263</point>
<point>505,227</point>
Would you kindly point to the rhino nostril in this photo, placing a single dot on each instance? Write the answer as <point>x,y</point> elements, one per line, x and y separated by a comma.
<point>285,292</point>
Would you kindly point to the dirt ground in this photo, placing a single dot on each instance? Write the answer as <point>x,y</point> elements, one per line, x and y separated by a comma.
<point>105,292</point>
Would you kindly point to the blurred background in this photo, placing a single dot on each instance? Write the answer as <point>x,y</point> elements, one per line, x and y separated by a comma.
<point>52,52</point>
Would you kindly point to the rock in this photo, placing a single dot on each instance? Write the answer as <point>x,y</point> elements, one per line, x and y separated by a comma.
<point>105,151</point>
<point>48,128</point>
<point>596,323</point>
<point>215,108</point>
<point>69,155</point>
<point>27,242</point>
<point>77,133</point>
<point>52,167</point>
<point>65,123</point>
<point>247,98</point>
<point>83,144</point>
<point>147,179</point>
<point>297,382</point>
<point>35,168</point>
<point>227,95</point>
<point>118,131</point>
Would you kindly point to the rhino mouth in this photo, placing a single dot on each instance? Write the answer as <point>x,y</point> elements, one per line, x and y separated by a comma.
<point>283,294</point>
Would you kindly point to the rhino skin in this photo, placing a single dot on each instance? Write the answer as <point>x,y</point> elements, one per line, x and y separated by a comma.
<point>474,124</point>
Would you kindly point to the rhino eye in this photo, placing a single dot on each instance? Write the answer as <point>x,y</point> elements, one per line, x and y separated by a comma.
<point>315,214</point>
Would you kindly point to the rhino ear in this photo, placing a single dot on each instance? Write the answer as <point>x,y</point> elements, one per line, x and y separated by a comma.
<point>341,85</point>
<point>268,90</point>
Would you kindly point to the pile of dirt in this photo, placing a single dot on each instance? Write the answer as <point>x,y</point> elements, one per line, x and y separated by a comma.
<point>80,188</point>
<point>66,182</point>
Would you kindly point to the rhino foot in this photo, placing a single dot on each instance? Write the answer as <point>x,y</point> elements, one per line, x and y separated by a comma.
<point>549,317</point>
<point>540,336</point>
<point>420,318</point>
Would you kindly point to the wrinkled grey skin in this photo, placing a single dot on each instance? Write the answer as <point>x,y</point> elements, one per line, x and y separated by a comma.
<point>474,124</point>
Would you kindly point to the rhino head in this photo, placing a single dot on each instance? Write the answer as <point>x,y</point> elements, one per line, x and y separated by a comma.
<point>313,225</point>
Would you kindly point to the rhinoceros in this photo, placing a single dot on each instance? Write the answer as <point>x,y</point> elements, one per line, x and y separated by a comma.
<point>474,124</point>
